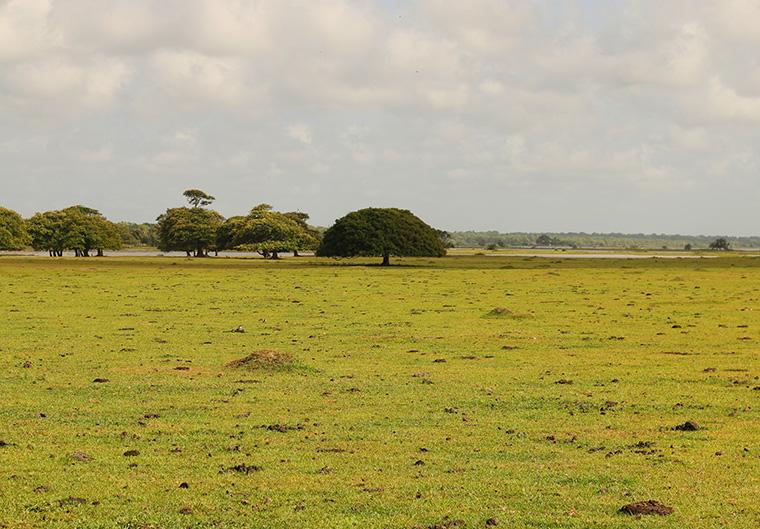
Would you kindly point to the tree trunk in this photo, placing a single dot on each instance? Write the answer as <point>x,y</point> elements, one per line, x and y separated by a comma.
<point>100,252</point>
<point>274,256</point>
<point>386,259</point>
<point>189,253</point>
<point>295,253</point>
<point>85,253</point>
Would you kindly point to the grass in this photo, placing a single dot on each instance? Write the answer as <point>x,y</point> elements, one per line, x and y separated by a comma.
<point>404,399</point>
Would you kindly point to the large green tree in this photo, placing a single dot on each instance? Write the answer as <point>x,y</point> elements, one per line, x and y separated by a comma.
<point>381,232</point>
<point>89,230</point>
<point>13,232</point>
<point>77,228</point>
<point>190,230</point>
<point>48,231</point>
<point>267,232</point>
<point>302,219</point>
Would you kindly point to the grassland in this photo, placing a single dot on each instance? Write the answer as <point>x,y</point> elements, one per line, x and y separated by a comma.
<point>409,398</point>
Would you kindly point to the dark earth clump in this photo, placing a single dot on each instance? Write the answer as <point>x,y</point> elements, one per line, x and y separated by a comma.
<point>71,500</point>
<point>245,469</point>
<point>688,426</point>
<point>184,485</point>
<point>447,523</point>
<point>131,453</point>
<point>645,508</point>
<point>282,428</point>
<point>100,381</point>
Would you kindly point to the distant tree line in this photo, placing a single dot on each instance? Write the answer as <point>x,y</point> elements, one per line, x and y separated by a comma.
<point>198,231</point>
<point>495,240</point>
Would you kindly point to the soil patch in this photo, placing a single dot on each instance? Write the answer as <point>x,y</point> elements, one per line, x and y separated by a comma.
<point>646,507</point>
<point>688,426</point>
<point>245,469</point>
<point>503,312</point>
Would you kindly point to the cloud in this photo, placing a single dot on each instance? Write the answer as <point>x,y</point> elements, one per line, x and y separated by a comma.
<point>300,132</point>
<point>425,103</point>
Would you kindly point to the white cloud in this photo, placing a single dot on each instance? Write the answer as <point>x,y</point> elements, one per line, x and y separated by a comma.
<point>300,132</point>
<point>650,97</point>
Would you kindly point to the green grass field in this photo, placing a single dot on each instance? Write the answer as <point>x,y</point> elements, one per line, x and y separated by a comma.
<point>410,402</point>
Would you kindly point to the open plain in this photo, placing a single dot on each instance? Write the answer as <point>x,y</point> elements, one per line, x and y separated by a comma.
<point>455,392</point>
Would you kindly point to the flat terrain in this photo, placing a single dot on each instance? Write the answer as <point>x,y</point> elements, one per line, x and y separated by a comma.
<point>541,393</point>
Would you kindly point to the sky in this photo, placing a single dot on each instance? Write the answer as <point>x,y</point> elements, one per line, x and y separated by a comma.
<point>603,115</point>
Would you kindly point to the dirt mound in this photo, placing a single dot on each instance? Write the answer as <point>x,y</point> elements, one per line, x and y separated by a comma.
<point>282,428</point>
<point>264,359</point>
<point>245,469</point>
<point>503,312</point>
<point>646,507</point>
<point>688,426</point>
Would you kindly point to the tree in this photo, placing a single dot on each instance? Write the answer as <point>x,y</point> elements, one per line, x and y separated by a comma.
<point>720,243</point>
<point>13,232</point>
<point>90,230</point>
<point>48,232</point>
<point>137,234</point>
<point>302,219</point>
<point>192,230</point>
<point>267,232</point>
<point>381,232</point>
<point>687,247</point>
<point>198,198</point>
<point>76,228</point>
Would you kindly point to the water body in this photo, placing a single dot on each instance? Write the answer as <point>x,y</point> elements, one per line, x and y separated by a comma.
<point>589,255</point>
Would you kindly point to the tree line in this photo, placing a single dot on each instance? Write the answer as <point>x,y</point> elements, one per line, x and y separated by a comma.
<point>198,231</point>
<point>630,241</point>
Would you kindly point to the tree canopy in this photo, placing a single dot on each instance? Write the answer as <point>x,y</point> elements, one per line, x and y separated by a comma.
<point>268,232</point>
<point>133,234</point>
<point>721,243</point>
<point>381,232</point>
<point>198,198</point>
<point>76,228</point>
<point>13,232</point>
<point>191,230</point>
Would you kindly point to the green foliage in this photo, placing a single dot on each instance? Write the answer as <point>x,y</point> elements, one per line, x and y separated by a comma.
<point>188,230</point>
<point>268,232</point>
<point>337,441</point>
<point>76,228</point>
<point>721,243</point>
<point>198,198</point>
<point>547,240</point>
<point>13,232</point>
<point>481,239</point>
<point>133,234</point>
<point>381,232</point>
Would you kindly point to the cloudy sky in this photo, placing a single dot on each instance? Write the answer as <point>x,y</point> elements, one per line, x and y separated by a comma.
<point>595,115</point>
